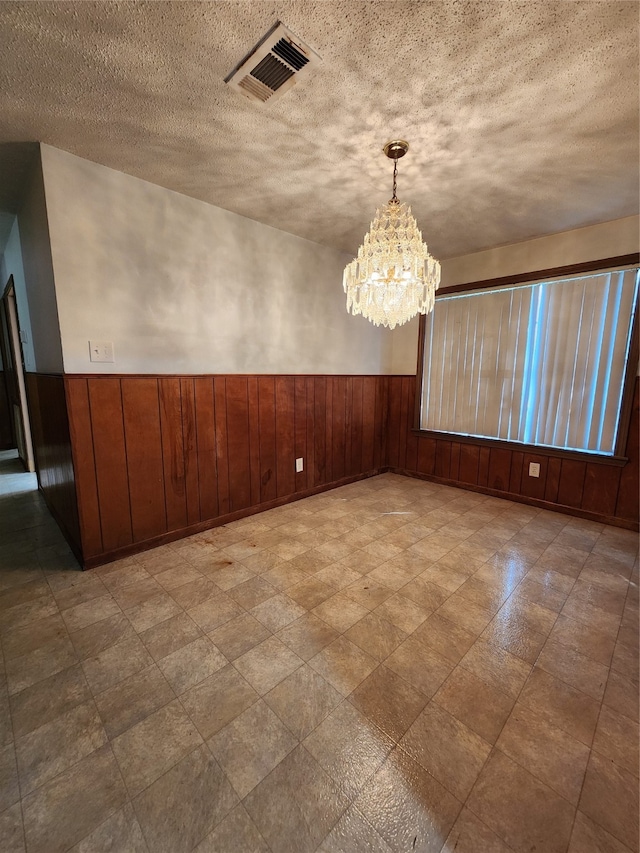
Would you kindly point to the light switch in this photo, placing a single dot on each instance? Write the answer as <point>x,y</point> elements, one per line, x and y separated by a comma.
<point>299,465</point>
<point>101,351</point>
<point>534,469</point>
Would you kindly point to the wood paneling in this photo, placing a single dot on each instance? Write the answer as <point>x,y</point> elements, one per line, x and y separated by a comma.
<point>52,448</point>
<point>160,455</point>
<point>595,489</point>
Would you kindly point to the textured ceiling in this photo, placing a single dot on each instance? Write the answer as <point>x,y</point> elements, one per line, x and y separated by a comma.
<point>522,117</point>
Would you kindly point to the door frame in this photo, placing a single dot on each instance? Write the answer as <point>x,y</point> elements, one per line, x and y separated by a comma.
<point>16,355</point>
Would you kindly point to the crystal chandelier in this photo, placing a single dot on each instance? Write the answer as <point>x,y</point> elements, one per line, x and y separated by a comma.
<point>393,277</point>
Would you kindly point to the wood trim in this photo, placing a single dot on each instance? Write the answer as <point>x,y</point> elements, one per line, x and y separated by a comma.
<point>515,446</point>
<point>626,405</point>
<point>540,275</point>
<point>155,541</point>
<point>566,509</point>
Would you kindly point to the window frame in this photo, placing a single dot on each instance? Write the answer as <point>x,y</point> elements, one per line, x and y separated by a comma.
<point>619,458</point>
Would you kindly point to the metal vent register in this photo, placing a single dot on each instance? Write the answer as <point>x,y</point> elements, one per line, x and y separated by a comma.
<point>273,66</point>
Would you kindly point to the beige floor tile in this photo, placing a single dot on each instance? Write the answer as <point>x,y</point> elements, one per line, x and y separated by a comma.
<point>375,636</point>
<point>425,594</point>
<point>136,593</point>
<point>408,807</point>
<point>245,758</point>
<point>521,810</point>
<point>296,805</point>
<point>588,837</point>
<point>465,613</point>
<point>448,639</point>
<point>343,664</point>
<point>115,664</point>
<point>69,807</point>
<point>46,700</point>
<point>153,611</point>
<point>213,612</point>
<point>183,806</point>
<point>622,695</point>
<point>307,636</point>
<point>90,641</point>
<point>195,592</point>
<point>239,635</point>
<point>170,635</point>
<point>340,612</point>
<point>448,749</point>
<point>11,830</point>
<point>302,701</point>
<point>583,639</point>
<point>388,701</point>
<point>191,664</point>
<point>90,612</point>
<point>148,749</point>
<point>422,667</point>
<point>119,832</point>
<point>549,753</point>
<point>218,700</point>
<point>480,706</point>
<point>54,747</point>
<point>132,700</point>
<point>402,612</point>
<point>9,785</point>
<point>497,667</point>
<point>277,612</point>
<point>354,834</point>
<point>616,738</point>
<point>21,641</point>
<point>471,835</point>
<point>562,705</point>
<point>625,661</point>
<point>252,592</point>
<point>569,665</point>
<point>39,664</point>
<point>236,832</point>
<point>338,575</point>
<point>28,612</point>
<point>310,592</point>
<point>610,798</point>
<point>348,747</point>
<point>284,575</point>
<point>267,664</point>
<point>77,594</point>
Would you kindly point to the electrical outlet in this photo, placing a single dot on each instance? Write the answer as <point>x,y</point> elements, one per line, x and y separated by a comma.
<point>299,465</point>
<point>101,351</point>
<point>534,469</point>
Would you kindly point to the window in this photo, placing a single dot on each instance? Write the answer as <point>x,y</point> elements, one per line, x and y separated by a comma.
<point>541,363</point>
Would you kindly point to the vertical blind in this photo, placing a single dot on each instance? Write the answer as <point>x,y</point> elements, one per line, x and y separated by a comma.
<point>540,363</point>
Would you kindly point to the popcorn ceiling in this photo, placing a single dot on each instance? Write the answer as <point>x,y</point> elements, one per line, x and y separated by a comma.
<point>522,117</point>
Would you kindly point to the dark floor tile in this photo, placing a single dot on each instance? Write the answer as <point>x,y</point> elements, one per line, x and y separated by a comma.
<point>132,700</point>
<point>237,833</point>
<point>119,833</point>
<point>610,798</point>
<point>46,700</point>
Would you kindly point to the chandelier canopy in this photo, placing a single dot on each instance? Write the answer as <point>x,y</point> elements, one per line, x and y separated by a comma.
<point>394,277</point>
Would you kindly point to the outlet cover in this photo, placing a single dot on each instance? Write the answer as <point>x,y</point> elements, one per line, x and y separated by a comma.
<point>534,469</point>
<point>101,351</point>
<point>299,465</point>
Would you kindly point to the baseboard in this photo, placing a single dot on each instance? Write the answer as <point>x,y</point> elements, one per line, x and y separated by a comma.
<point>614,521</point>
<point>93,562</point>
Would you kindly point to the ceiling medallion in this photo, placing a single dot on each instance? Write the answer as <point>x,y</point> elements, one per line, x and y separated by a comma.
<point>394,277</point>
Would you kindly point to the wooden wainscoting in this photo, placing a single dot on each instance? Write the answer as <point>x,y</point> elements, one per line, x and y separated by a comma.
<point>604,492</point>
<point>157,457</point>
<point>52,450</point>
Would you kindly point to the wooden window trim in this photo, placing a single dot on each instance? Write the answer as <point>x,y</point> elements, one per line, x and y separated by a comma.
<point>626,405</point>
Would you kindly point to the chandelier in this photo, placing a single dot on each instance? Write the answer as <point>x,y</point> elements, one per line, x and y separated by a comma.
<point>394,277</point>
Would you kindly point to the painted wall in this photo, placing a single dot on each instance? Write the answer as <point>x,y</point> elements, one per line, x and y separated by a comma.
<point>620,237</point>
<point>180,286</point>
<point>11,264</point>
<point>38,278</point>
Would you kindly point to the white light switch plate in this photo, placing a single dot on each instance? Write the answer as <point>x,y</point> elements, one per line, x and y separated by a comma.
<point>101,351</point>
<point>299,465</point>
<point>534,469</point>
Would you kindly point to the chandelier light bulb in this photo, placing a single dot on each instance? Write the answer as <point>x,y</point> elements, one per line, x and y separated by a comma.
<point>393,277</point>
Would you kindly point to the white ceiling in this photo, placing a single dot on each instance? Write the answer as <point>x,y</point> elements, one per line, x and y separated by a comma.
<point>522,117</point>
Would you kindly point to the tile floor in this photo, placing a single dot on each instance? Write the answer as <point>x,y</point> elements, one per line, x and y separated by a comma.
<point>393,666</point>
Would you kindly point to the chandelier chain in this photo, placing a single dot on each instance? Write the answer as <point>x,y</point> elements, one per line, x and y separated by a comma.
<point>394,197</point>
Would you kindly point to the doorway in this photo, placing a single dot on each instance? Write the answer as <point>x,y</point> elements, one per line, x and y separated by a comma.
<point>14,375</point>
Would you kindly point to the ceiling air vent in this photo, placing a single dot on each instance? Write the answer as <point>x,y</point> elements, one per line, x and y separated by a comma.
<point>273,66</point>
